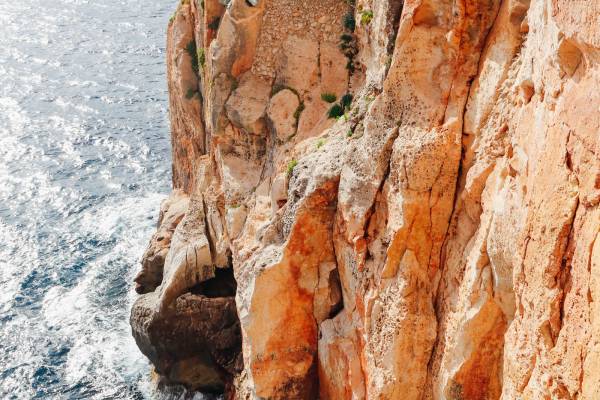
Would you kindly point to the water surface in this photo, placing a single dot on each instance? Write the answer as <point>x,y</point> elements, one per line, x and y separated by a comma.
<point>84,164</point>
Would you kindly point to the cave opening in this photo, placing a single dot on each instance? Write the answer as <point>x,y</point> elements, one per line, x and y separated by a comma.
<point>222,285</point>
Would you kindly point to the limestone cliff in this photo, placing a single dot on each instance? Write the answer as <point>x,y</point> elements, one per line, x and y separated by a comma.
<point>378,199</point>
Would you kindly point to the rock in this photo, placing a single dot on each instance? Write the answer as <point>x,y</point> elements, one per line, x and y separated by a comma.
<point>247,104</point>
<point>195,344</point>
<point>436,241</point>
<point>282,113</point>
<point>172,211</point>
<point>185,100</point>
<point>278,192</point>
<point>189,261</point>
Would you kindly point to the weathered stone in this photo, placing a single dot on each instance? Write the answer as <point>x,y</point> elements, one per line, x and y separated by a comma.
<point>282,113</point>
<point>247,104</point>
<point>172,211</point>
<point>185,101</point>
<point>436,241</point>
<point>195,344</point>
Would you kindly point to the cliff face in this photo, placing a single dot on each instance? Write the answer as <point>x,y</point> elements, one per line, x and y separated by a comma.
<point>436,240</point>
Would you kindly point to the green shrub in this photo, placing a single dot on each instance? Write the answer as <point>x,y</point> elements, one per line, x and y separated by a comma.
<point>290,167</point>
<point>190,93</point>
<point>366,17</point>
<point>214,24</point>
<point>335,111</point>
<point>349,21</point>
<point>328,97</point>
<point>346,38</point>
<point>346,100</point>
<point>350,66</point>
<point>193,52</point>
<point>320,143</point>
<point>345,47</point>
<point>201,57</point>
<point>349,133</point>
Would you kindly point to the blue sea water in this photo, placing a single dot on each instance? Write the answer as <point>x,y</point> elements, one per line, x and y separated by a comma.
<point>84,164</point>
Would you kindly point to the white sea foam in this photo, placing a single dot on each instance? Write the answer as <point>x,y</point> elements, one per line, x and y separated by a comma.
<point>83,155</point>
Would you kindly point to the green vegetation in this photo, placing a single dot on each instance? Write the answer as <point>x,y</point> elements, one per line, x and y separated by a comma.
<point>201,57</point>
<point>346,38</point>
<point>346,100</point>
<point>339,110</point>
<point>335,111</point>
<point>298,112</point>
<point>366,16</point>
<point>349,133</point>
<point>349,21</point>
<point>193,52</point>
<point>320,143</point>
<point>290,167</point>
<point>190,93</point>
<point>328,97</point>
<point>350,67</point>
<point>214,24</point>
<point>347,42</point>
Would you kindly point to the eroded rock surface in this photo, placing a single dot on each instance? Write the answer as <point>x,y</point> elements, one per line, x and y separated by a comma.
<point>380,200</point>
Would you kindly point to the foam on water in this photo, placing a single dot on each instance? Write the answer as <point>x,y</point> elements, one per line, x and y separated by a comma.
<point>84,164</point>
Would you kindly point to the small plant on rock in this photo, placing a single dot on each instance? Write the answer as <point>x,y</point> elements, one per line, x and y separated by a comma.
<point>349,21</point>
<point>346,100</point>
<point>190,93</point>
<point>290,167</point>
<point>320,143</point>
<point>366,16</point>
<point>193,52</point>
<point>335,111</point>
<point>346,38</point>
<point>347,41</point>
<point>201,57</point>
<point>328,97</point>
<point>214,25</point>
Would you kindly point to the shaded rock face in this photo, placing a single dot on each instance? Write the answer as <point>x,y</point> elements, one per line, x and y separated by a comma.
<point>172,211</point>
<point>436,240</point>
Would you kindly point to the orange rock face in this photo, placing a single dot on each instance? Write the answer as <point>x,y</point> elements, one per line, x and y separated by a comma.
<point>407,192</point>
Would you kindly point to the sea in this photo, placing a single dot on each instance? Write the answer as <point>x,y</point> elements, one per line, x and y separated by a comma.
<point>84,164</point>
